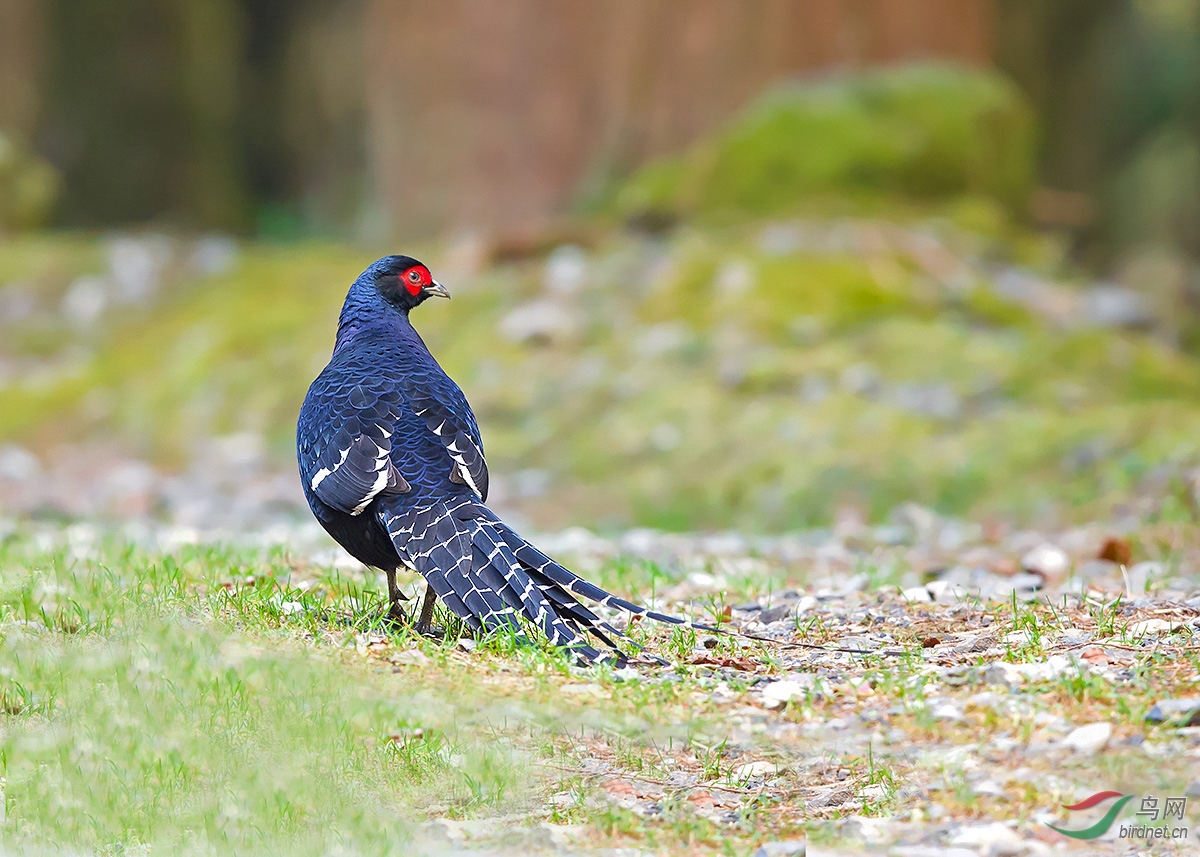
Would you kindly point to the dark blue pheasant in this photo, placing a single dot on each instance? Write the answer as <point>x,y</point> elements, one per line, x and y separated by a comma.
<point>393,468</point>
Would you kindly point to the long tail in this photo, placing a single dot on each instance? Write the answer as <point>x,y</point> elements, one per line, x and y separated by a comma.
<point>490,577</point>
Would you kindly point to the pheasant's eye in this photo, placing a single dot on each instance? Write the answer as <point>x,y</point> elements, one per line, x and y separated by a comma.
<point>414,276</point>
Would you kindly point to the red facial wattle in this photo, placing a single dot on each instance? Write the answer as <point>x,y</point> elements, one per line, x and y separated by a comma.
<point>415,279</point>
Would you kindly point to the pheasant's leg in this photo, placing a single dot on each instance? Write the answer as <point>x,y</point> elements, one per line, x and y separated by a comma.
<point>424,625</point>
<point>395,596</point>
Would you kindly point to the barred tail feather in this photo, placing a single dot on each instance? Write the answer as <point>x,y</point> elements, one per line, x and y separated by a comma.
<point>554,572</point>
<point>490,577</point>
<point>478,577</point>
<point>543,568</point>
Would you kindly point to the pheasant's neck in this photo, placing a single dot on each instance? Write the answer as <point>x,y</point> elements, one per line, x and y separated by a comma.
<point>370,310</point>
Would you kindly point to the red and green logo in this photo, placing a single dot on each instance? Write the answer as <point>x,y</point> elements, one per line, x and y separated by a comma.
<point>1100,827</point>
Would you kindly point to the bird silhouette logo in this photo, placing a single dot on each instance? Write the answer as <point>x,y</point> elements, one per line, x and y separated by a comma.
<point>1100,827</point>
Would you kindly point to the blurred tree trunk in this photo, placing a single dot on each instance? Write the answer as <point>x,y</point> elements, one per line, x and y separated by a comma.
<point>288,116</point>
<point>1116,85</point>
<point>21,49</point>
<point>501,114</point>
<point>140,108</point>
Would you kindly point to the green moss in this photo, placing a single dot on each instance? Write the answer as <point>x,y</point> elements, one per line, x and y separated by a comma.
<point>28,187</point>
<point>722,429</point>
<point>233,353</point>
<point>925,131</point>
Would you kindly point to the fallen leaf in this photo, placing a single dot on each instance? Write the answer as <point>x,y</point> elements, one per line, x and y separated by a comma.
<point>1117,550</point>
<point>743,664</point>
<point>619,788</point>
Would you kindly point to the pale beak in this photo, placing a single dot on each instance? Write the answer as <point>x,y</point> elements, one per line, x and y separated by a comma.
<point>436,290</point>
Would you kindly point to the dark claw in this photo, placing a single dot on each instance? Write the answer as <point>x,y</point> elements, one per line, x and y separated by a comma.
<point>425,626</point>
<point>396,614</point>
<point>433,632</point>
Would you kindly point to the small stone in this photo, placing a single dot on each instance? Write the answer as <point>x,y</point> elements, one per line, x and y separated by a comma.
<point>1042,297</point>
<point>1110,305</point>
<point>936,811</point>
<point>814,389</point>
<point>945,592</point>
<point>539,321</point>
<point>1193,790</point>
<point>988,788</point>
<point>583,689</point>
<point>410,658</point>
<point>1150,627</point>
<point>805,604</point>
<point>563,800</point>
<point>921,520</point>
<point>18,464</point>
<point>1027,581</point>
<point>1140,575</point>
<point>774,614</point>
<point>1003,673</point>
<point>566,270</point>
<point>1090,739</point>
<point>979,642</point>
<point>995,839</point>
<point>779,693</point>
<point>85,301</point>
<point>214,255</point>
<point>752,770</point>
<point>1047,559</point>
<point>443,831</point>
<point>734,277</point>
<point>917,595</point>
<point>135,266</point>
<point>1181,712</point>
<point>937,401</point>
<point>1074,637</point>
<point>947,711</point>
<point>660,339</point>
<point>789,848</point>
<point>780,239</point>
<point>986,700</point>
<point>559,836</point>
<point>861,379</point>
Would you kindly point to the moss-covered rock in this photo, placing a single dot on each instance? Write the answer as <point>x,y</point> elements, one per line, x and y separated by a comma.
<point>28,187</point>
<point>921,131</point>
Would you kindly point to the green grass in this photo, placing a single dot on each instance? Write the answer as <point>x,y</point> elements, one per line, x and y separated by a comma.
<point>220,700</point>
<point>146,705</point>
<point>206,702</point>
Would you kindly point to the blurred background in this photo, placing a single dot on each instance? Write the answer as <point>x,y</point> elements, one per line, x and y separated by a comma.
<point>767,265</point>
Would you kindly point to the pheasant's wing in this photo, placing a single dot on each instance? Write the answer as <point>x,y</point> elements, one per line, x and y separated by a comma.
<point>350,459</point>
<point>444,408</point>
